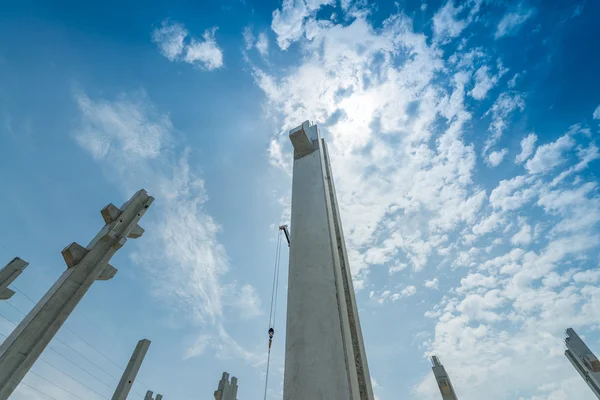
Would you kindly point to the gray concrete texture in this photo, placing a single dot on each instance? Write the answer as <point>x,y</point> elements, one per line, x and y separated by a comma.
<point>583,360</point>
<point>325,356</point>
<point>8,274</point>
<point>131,371</point>
<point>227,390</point>
<point>24,345</point>
<point>443,380</point>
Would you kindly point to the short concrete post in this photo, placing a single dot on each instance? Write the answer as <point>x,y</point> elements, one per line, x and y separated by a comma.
<point>135,362</point>
<point>85,265</point>
<point>149,394</point>
<point>8,274</point>
<point>158,397</point>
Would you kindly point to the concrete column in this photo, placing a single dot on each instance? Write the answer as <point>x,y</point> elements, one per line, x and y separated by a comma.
<point>131,371</point>
<point>325,356</point>
<point>159,397</point>
<point>583,360</point>
<point>149,394</point>
<point>443,380</point>
<point>8,274</point>
<point>226,390</point>
<point>84,266</point>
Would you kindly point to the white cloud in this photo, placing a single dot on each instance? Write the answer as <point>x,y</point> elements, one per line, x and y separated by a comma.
<point>527,146</point>
<point>589,276</point>
<point>432,284</point>
<point>512,21</point>
<point>495,158</point>
<point>483,83</point>
<point>289,22</point>
<point>249,38</point>
<point>445,22</point>
<point>597,113</point>
<point>501,110</point>
<point>262,44</point>
<point>524,236</point>
<point>393,112</point>
<point>549,155</point>
<point>169,39</point>
<point>205,53</point>
<point>180,247</point>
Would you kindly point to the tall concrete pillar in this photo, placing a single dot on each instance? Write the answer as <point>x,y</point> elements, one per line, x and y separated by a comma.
<point>8,274</point>
<point>583,360</point>
<point>131,371</point>
<point>149,395</point>
<point>443,380</point>
<point>325,356</point>
<point>84,266</point>
<point>226,390</point>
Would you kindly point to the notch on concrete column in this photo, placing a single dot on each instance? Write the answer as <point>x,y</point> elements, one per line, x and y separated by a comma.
<point>131,371</point>
<point>8,274</point>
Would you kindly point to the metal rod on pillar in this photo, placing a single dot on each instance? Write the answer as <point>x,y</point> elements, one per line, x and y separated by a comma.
<point>85,265</point>
<point>131,371</point>
<point>8,274</point>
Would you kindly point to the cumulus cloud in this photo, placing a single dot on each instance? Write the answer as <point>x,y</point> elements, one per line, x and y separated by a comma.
<point>597,113</point>
<point>527,146</point>
<point>549,155</point>
<point>495,158</point>
<point>504,106</point>
<point>512,21</point>
<point>171,41</point>
<point>393,112</point>
<point>483,83</point>
<point>432,284</point>
<point>289,21</point>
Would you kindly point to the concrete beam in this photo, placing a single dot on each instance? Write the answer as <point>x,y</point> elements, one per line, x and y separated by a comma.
<point>24,345</point>
<point>131,371</point>
<point>8,274</point>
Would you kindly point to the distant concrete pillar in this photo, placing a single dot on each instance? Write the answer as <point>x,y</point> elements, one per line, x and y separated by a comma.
<point>8,274</point>
<point>443,380</point>
<point>158,397</point>
<point>226,390</point>
<point>24,345</point>
<point>149,394</point>
<point>325,356</point>
<point>583,360</point>
<point>131,371</point>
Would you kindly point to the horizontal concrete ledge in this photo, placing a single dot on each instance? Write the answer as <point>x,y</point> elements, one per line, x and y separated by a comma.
<point>303,139</point>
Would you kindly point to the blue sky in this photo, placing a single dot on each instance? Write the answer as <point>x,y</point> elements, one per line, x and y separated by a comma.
<point>463,138</point>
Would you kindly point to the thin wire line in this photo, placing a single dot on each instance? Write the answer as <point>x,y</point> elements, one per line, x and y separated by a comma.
<point>72,348</point>
<point>64,357</point>
<point>121,368</point>
<point>74,333</point>
<point>39,391</point>
<point>81,383</point>
<point>274,279</point>
<point>54,384</point>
